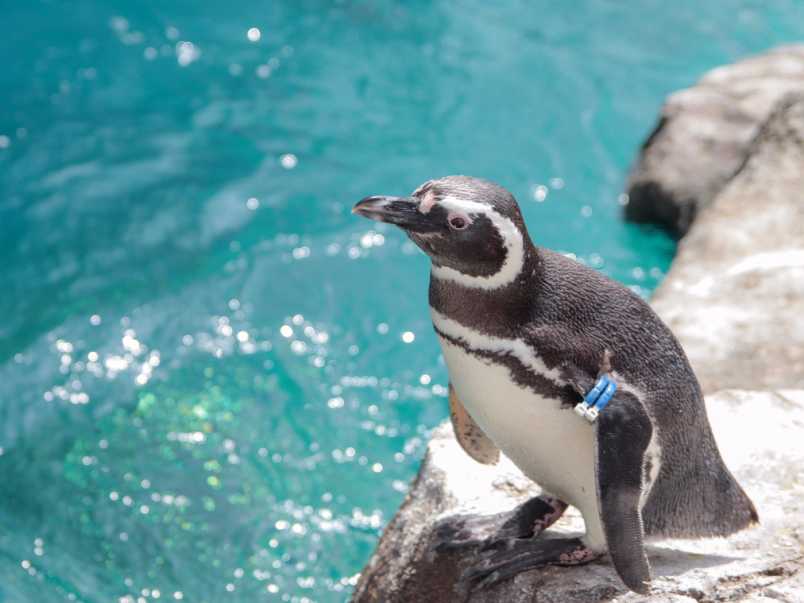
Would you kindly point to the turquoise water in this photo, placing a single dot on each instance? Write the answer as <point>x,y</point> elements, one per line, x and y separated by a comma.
<point>216,383</point>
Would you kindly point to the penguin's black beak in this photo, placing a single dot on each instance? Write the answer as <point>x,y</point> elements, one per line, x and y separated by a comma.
<point>401,211</point>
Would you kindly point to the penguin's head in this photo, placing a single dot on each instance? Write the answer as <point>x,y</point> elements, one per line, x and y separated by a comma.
<point>472,229</point>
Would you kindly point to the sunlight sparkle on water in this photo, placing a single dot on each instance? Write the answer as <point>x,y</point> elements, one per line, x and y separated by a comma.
<point>540,193</point>
<point>288,161</point>
<point>186,53</point>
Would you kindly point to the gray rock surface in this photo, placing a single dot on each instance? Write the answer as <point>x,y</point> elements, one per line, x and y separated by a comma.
<point>735,293</point>
<point>704,134</point>
<point>735,297</point>
<point>763,563</point>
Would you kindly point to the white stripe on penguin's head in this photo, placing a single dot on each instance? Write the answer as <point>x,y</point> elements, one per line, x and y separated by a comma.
<point>511,238</point>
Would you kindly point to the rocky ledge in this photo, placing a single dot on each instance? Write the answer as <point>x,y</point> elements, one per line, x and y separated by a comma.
<point>735,298</point>
<point>761,564</point>
<point>704,135</point>
<point>735,293</point>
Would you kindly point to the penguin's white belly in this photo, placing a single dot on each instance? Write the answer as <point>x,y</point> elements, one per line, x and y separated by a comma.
<point>551,445</point>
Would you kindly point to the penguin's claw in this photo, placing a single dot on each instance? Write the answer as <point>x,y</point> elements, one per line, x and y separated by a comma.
<point>520,555</point>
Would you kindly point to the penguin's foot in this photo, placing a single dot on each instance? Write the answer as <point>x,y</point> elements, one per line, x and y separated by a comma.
<point>489,532</point>
<point>521,555</point>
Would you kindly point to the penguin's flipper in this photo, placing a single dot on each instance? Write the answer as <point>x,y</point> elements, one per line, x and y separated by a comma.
<point>469,435</point>
<point>623,433</point>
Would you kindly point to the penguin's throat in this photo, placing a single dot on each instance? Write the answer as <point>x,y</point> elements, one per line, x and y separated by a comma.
<point>499,310</point>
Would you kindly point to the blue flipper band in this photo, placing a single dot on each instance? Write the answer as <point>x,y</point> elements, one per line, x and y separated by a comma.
<point>597,399</point>
<point>607,395</point>
<point>591,398</point>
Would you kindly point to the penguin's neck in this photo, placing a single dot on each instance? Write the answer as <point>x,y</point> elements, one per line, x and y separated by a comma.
<point>498,312</point>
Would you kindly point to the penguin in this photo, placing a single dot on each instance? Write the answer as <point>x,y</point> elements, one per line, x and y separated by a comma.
<point>527,334</point>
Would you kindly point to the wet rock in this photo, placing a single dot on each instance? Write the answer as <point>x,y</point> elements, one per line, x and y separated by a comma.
<point>759,564</point>
<point>704,134</point>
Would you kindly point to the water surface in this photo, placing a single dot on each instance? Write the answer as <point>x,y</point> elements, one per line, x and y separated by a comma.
<point>216,383</point>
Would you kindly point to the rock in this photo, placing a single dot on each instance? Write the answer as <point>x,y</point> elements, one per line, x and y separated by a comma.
<point>735,293</point>
<point>763,563</point>
<point>704,134</point>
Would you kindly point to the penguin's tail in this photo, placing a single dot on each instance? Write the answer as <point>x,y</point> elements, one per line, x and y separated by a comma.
<point>700,500</point>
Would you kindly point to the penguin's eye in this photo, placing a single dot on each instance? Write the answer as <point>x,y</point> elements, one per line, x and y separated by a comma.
<point>458,222</point>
